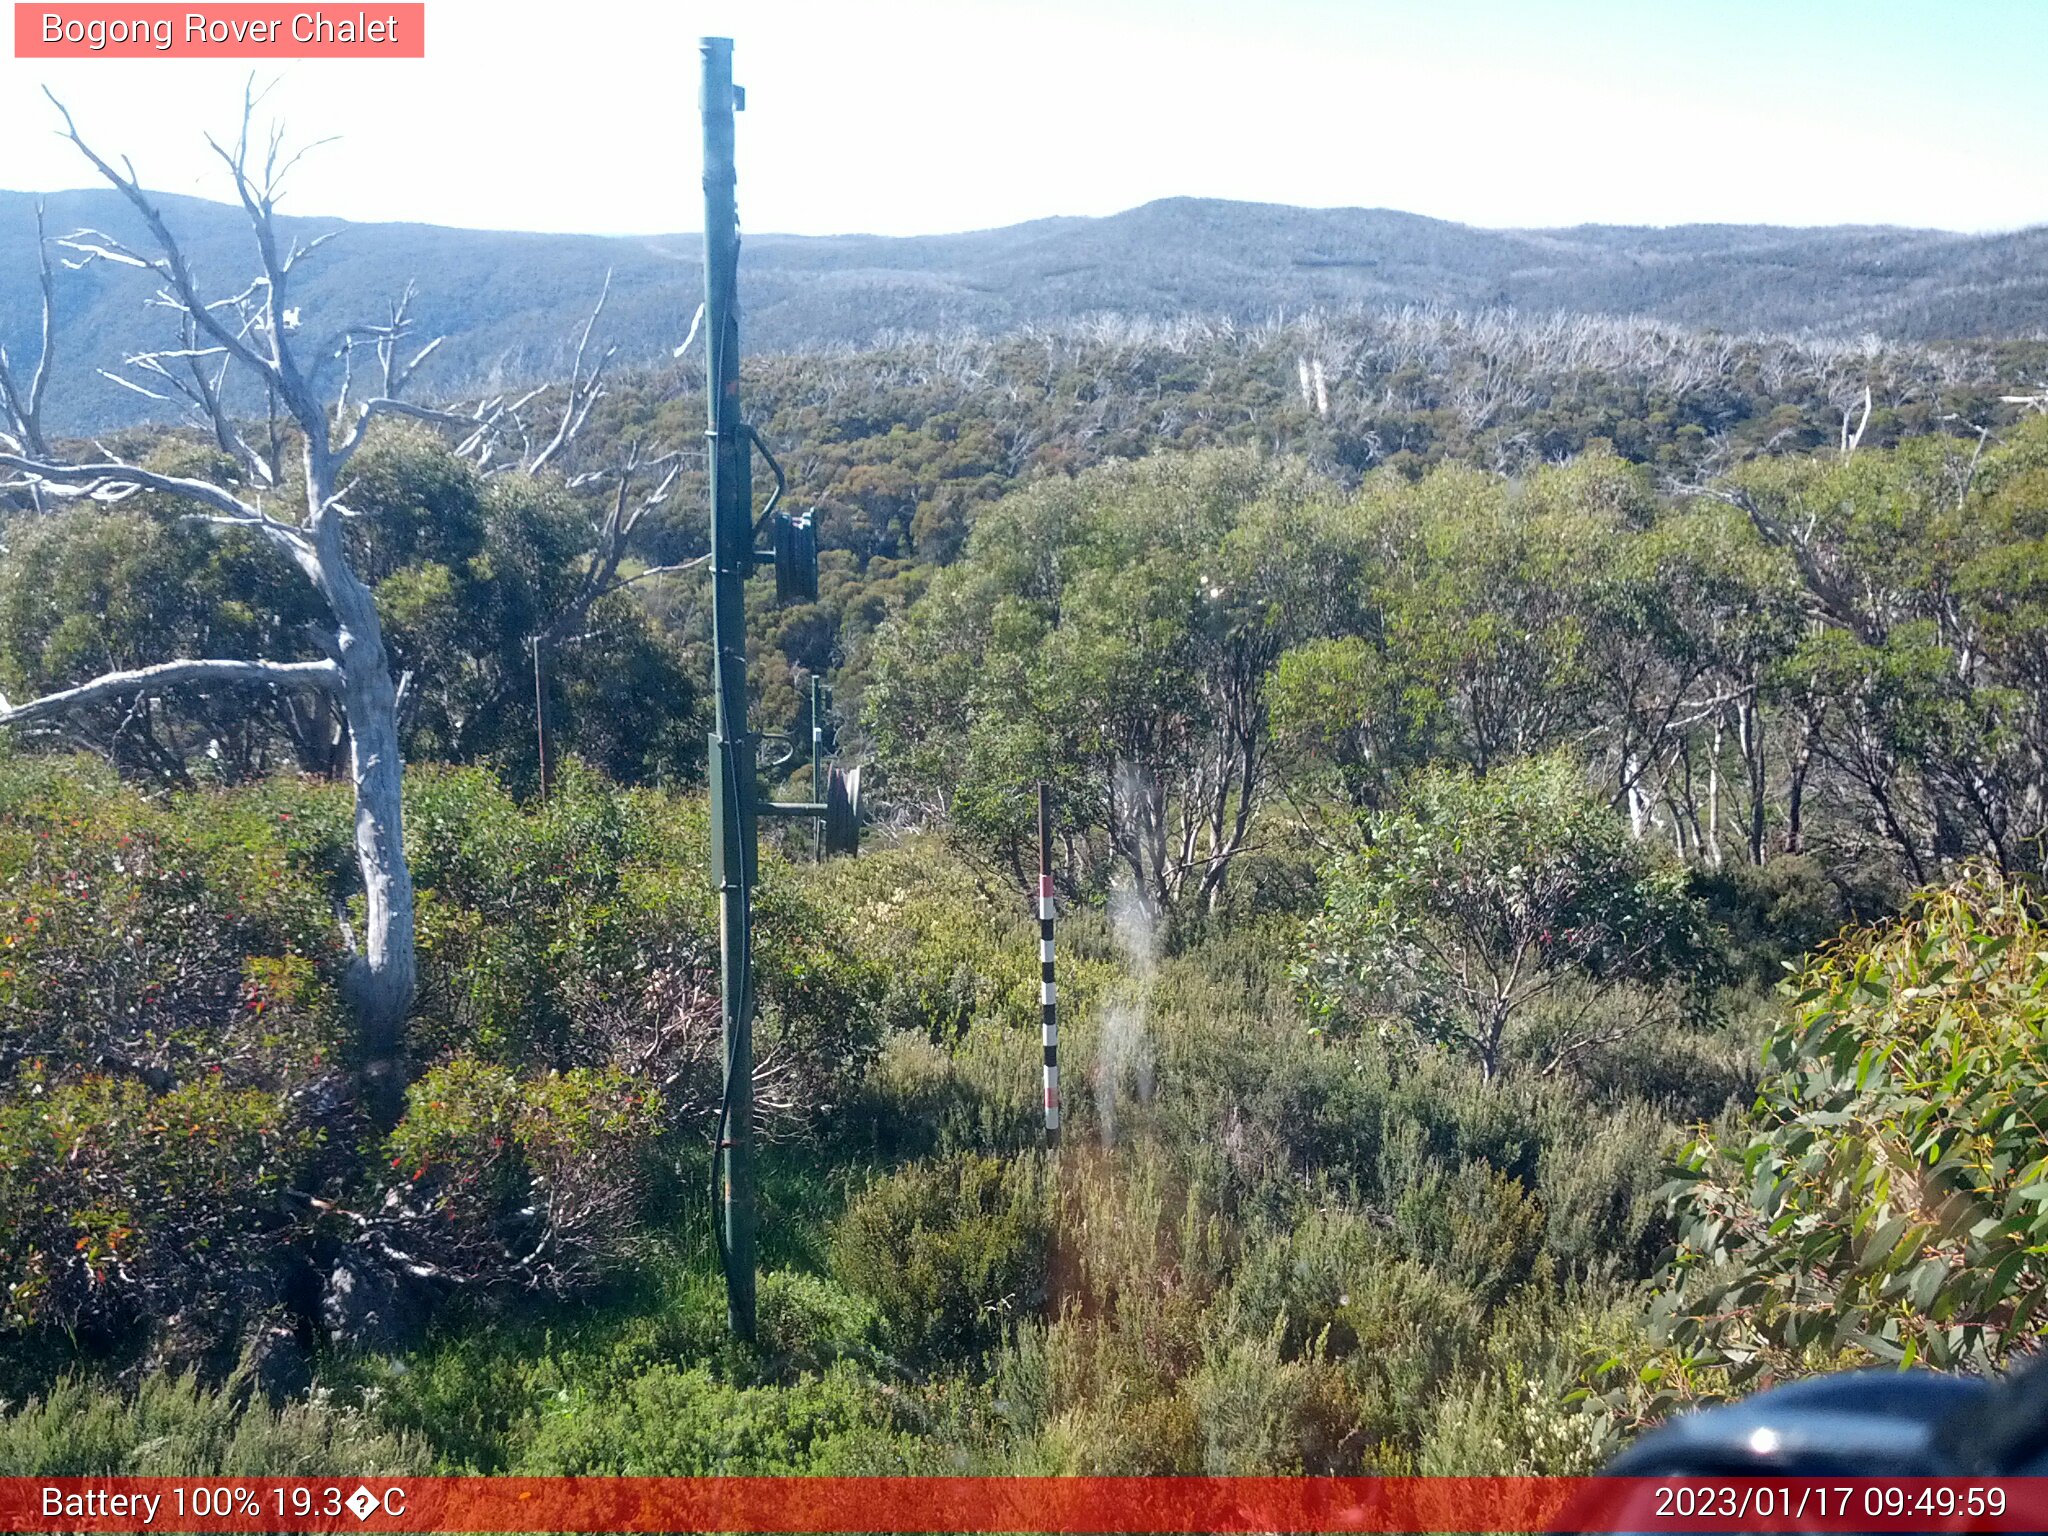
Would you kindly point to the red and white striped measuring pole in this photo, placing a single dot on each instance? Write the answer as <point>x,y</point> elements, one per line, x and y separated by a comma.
<point>1048,992</point>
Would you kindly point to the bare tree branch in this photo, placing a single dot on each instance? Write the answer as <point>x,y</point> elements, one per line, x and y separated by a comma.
<point>614,535</point>
<point>113,471</point>
<point>321,675</point>
<point>652,571</point>
<point>172,265</point>
<point>112,480</point>
<point>384,405</point>
<point>24,406</point>
<point>582,393</point>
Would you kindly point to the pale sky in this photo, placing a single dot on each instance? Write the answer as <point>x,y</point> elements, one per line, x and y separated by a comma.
<point>908,117</point>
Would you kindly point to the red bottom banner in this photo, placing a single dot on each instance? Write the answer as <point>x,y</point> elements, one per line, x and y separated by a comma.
<point>1021,1504</point>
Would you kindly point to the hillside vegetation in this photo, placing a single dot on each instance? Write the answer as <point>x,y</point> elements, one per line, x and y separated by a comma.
<point>1544,818</point>
<point>511,303</point>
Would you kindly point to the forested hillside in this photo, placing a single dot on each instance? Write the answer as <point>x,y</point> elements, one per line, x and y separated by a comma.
<point>510,304</point>
<point>1543,809</point>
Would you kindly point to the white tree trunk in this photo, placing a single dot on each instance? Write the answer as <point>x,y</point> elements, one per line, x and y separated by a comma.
<point>249,333</point>
<point>385,973</point>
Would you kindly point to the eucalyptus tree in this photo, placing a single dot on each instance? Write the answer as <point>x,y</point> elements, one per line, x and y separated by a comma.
<point>1503,918</point>
<point>1688,620</point>
<point>1115,635</point>
<point>1912,697</point>
<point>280,479</point>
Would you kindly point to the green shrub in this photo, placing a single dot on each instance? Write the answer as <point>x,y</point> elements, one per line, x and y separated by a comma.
<point>170,1425</point>
<point>1334,1288</point>
<point>172,1049</point>
<point>121,1203</point>
<point>1512,1425</point>
<point>673,1422</point>
<point>1088,1395</point>
<point>805,1322</point>
<point>1138,1262</point>
<point>1475,1224</point>
<point>955,951</point>
<point>1262,1414</point>
<point>477,1386</point>
<point>128,930</point>
<point>1480,897</point>
<point>582,933</point>
<point>169,965</point>
<point>979,1093</point>
<point>950,1253</point>
<point>1771,916</point>
<point>535,1180</point>
<point>952,956</point>
<point>1598,1176</point>
<point>1889,1197</point>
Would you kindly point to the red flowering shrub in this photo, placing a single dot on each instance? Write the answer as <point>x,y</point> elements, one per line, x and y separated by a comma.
<point>124,1204</point>
<point>496,1178</point>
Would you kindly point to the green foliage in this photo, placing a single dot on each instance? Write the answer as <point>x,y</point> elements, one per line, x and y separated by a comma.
<point>1460,616</point>
<point>1289,1340</point>
<point>537,1180</point>
<point>1885,1199</point>
<point>1509,1425</point>
<point>89,591</point>
<point>121,1201</point>
<point>673,1422</point>
<point>581,932</point>
<point>1277,1238</point>
<point>1290,1257</point>
<point>1480,899</point>
<point>949,1253</point>
<point>171,1425</point>
<point>960,988</point>
<point>169,1048</point>
<point>1475,1225</point>
<point>1110,634</point>
<point>465,572</point>
<point>807,1322</point>
<point>950,957</point>
<point>478,1386</point>
<point>1768,917</point>
<point>177,1099</point>
<point>1347,707</point>
<point>1483,602</point>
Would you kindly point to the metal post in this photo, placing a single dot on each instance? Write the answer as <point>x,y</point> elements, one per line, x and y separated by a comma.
<point>818,760</point>
<point>540,719</point>
<point>1048,994</point>
<point>732,748</point>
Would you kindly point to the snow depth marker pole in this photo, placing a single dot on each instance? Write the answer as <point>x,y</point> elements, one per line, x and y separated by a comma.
<point>1047,992</point>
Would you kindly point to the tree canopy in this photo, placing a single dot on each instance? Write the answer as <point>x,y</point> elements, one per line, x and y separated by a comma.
<point>1487,902</point>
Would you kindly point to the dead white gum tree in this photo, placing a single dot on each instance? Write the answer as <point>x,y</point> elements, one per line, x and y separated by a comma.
<point>240,347</point>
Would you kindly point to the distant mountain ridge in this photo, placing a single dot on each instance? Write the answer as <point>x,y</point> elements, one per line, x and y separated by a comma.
<point>510,303</point>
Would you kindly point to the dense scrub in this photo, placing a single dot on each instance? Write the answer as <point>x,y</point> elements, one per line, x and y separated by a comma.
<point>1263,1247</point>
<point>1883,1200</point>
<point>185,1167</point>
<point>466,570</point>
<point>1431,840</point>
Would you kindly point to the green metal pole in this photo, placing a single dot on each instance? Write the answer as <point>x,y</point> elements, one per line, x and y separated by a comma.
<point>818,760</point>
<point>733,791</point>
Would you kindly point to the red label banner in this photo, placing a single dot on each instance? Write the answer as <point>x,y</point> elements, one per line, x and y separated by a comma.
<point>1023,1504</point>
<point>224,31</point>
